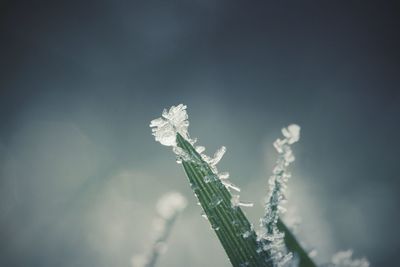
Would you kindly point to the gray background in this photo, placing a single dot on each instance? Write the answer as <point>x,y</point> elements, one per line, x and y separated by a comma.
<point>80,81</point>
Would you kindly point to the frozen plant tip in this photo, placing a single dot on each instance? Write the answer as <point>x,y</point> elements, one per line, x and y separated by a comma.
<point>173,121</point>
<point>212,189</point>
<point>169,206</point>
<point>274,245</point>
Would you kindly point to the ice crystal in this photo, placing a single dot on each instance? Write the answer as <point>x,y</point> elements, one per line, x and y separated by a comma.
<point>344,259</point>
<point>215,200</point>
<point>215,227</point>
<point>230,185</point>
<point>200,149</point>
<point>173,121</point>
<point>181,154</point>
<point>246,234</point>
<point>235,202</point>
<point>223,175</point>
<point>292,133</point>
<point>270,237</point>
<point>218,155</point>
<point>210,178</point>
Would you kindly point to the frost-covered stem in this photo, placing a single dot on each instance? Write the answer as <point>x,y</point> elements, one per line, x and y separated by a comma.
<point>229,222</point>
<point>169,206</point>
<point>212,188</point>
<point>270,235</point>
<point>274,235</point>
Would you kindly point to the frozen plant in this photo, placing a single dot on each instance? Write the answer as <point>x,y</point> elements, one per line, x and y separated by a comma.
<point>275,245</point>
<point>212,189</point>
<point>271,238</point>
<point>169,206</point>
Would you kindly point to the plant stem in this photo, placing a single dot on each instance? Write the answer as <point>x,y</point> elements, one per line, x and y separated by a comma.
<point>229,223</point>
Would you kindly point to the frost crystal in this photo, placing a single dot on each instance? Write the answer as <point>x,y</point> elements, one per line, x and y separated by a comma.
<point>270,237</point>
<point>215,200</point>
<point>292,133</point>
<point>210,178</point>
<point>223,175</point>
<point>246,234</point>
<point>181,154</point>
<point>344,259</point>
<point>200,149</point>
<point>172,122</point>
<point>230,185</point>
<point>235,202</point>
<point>214,160</point>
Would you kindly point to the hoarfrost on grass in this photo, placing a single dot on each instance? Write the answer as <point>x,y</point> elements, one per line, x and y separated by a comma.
<point>235,202</point>
<point>270,237</point>
<point>175,120</point>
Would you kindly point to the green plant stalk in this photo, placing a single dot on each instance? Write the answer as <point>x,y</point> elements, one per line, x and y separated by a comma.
<point>229,223</point>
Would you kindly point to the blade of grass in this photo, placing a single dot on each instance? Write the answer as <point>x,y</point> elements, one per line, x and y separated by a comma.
<point>230,224</point>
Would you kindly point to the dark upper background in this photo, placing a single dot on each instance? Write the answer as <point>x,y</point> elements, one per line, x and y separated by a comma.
<point>80,81</point>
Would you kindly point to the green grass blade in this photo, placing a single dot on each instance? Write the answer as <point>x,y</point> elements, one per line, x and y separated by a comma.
<point>229,223</point>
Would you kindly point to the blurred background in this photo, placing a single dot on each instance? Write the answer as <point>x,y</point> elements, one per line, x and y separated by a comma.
<point>80,173</point>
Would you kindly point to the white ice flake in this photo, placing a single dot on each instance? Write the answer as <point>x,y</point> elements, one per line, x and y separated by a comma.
<point>230,185</point>
<point>173,121</point>
<point>218,155</point>
<point>235,202</point>
<point>223,175</point>
<point>292,133</point>
<point>200,149</point>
